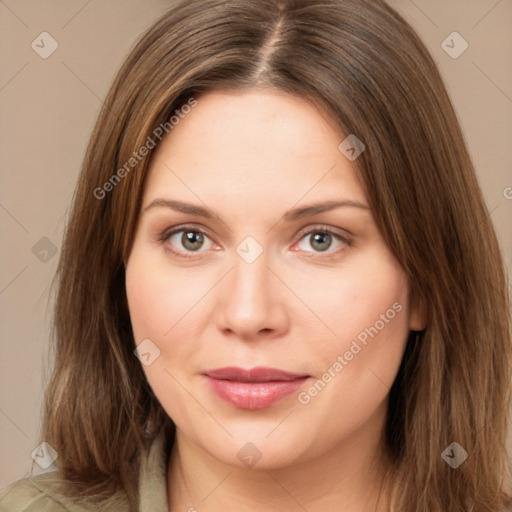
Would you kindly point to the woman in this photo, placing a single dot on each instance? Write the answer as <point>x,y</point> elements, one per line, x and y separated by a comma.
<point>279,288</point>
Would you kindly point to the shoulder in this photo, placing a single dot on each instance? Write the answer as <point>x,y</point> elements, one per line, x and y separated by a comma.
<point>48,492</point>
<point>43,492</point>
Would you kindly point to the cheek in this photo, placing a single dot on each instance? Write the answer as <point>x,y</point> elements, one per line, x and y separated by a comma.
<point>161,304</point>
<point>374,290</point>
<point>167,306</point>
<point>159,298</point>
<point>366,310</point>
<point>146,302</point>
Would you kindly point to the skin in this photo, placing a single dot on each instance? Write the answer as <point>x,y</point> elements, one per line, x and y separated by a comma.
<point>249,157</point>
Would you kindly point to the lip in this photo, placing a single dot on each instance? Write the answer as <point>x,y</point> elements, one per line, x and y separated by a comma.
<point>256,388</point>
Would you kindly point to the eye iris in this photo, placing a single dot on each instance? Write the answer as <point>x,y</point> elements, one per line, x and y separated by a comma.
<point>193,238</point>
<point>321,238</point>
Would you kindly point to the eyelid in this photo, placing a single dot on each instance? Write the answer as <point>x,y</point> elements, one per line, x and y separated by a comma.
<point>167,233</point>
<point>323,228</point>
<point>182,227</point>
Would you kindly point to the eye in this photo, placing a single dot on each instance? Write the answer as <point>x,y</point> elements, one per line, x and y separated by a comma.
<point>321,239</point>
<point>182,240</point>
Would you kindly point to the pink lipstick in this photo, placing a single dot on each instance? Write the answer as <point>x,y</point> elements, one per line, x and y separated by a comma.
<point>253,389</point>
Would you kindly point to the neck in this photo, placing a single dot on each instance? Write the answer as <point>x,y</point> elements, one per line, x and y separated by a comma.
<point>354,473</point>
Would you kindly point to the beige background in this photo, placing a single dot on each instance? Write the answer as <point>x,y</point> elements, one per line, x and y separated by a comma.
<point>48,107</point>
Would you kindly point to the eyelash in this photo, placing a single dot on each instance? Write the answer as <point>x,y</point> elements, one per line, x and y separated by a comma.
<point>164,237</point>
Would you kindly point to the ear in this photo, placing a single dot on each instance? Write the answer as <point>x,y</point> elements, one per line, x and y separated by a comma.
<point>417,313</point>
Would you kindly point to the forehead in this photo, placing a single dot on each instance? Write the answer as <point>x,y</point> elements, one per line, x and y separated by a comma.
<point>251,146</point>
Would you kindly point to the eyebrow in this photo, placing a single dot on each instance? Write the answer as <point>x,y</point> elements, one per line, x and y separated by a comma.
<point>289,216</point>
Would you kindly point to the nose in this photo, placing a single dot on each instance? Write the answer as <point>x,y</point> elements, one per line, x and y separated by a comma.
<point>251,304</point>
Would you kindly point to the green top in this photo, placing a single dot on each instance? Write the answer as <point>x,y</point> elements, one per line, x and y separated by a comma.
<point>45,492</point>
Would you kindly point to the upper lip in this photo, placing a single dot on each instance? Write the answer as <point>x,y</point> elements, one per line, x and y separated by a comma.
<point>259,374</point>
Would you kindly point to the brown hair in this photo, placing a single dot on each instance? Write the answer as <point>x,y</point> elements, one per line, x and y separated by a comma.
<point>362,63</point>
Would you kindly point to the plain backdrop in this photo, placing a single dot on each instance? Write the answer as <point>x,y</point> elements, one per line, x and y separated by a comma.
<point>47,110</point>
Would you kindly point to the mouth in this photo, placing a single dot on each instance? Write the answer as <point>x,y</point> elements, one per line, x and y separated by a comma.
<point>257,388</point>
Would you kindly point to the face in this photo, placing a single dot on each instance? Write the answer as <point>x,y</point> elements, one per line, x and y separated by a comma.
<point>266,321</point>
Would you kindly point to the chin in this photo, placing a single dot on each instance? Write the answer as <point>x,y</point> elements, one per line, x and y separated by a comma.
<point>257,451</point>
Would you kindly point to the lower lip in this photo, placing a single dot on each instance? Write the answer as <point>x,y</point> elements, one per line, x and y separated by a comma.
<point>254,395</point>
